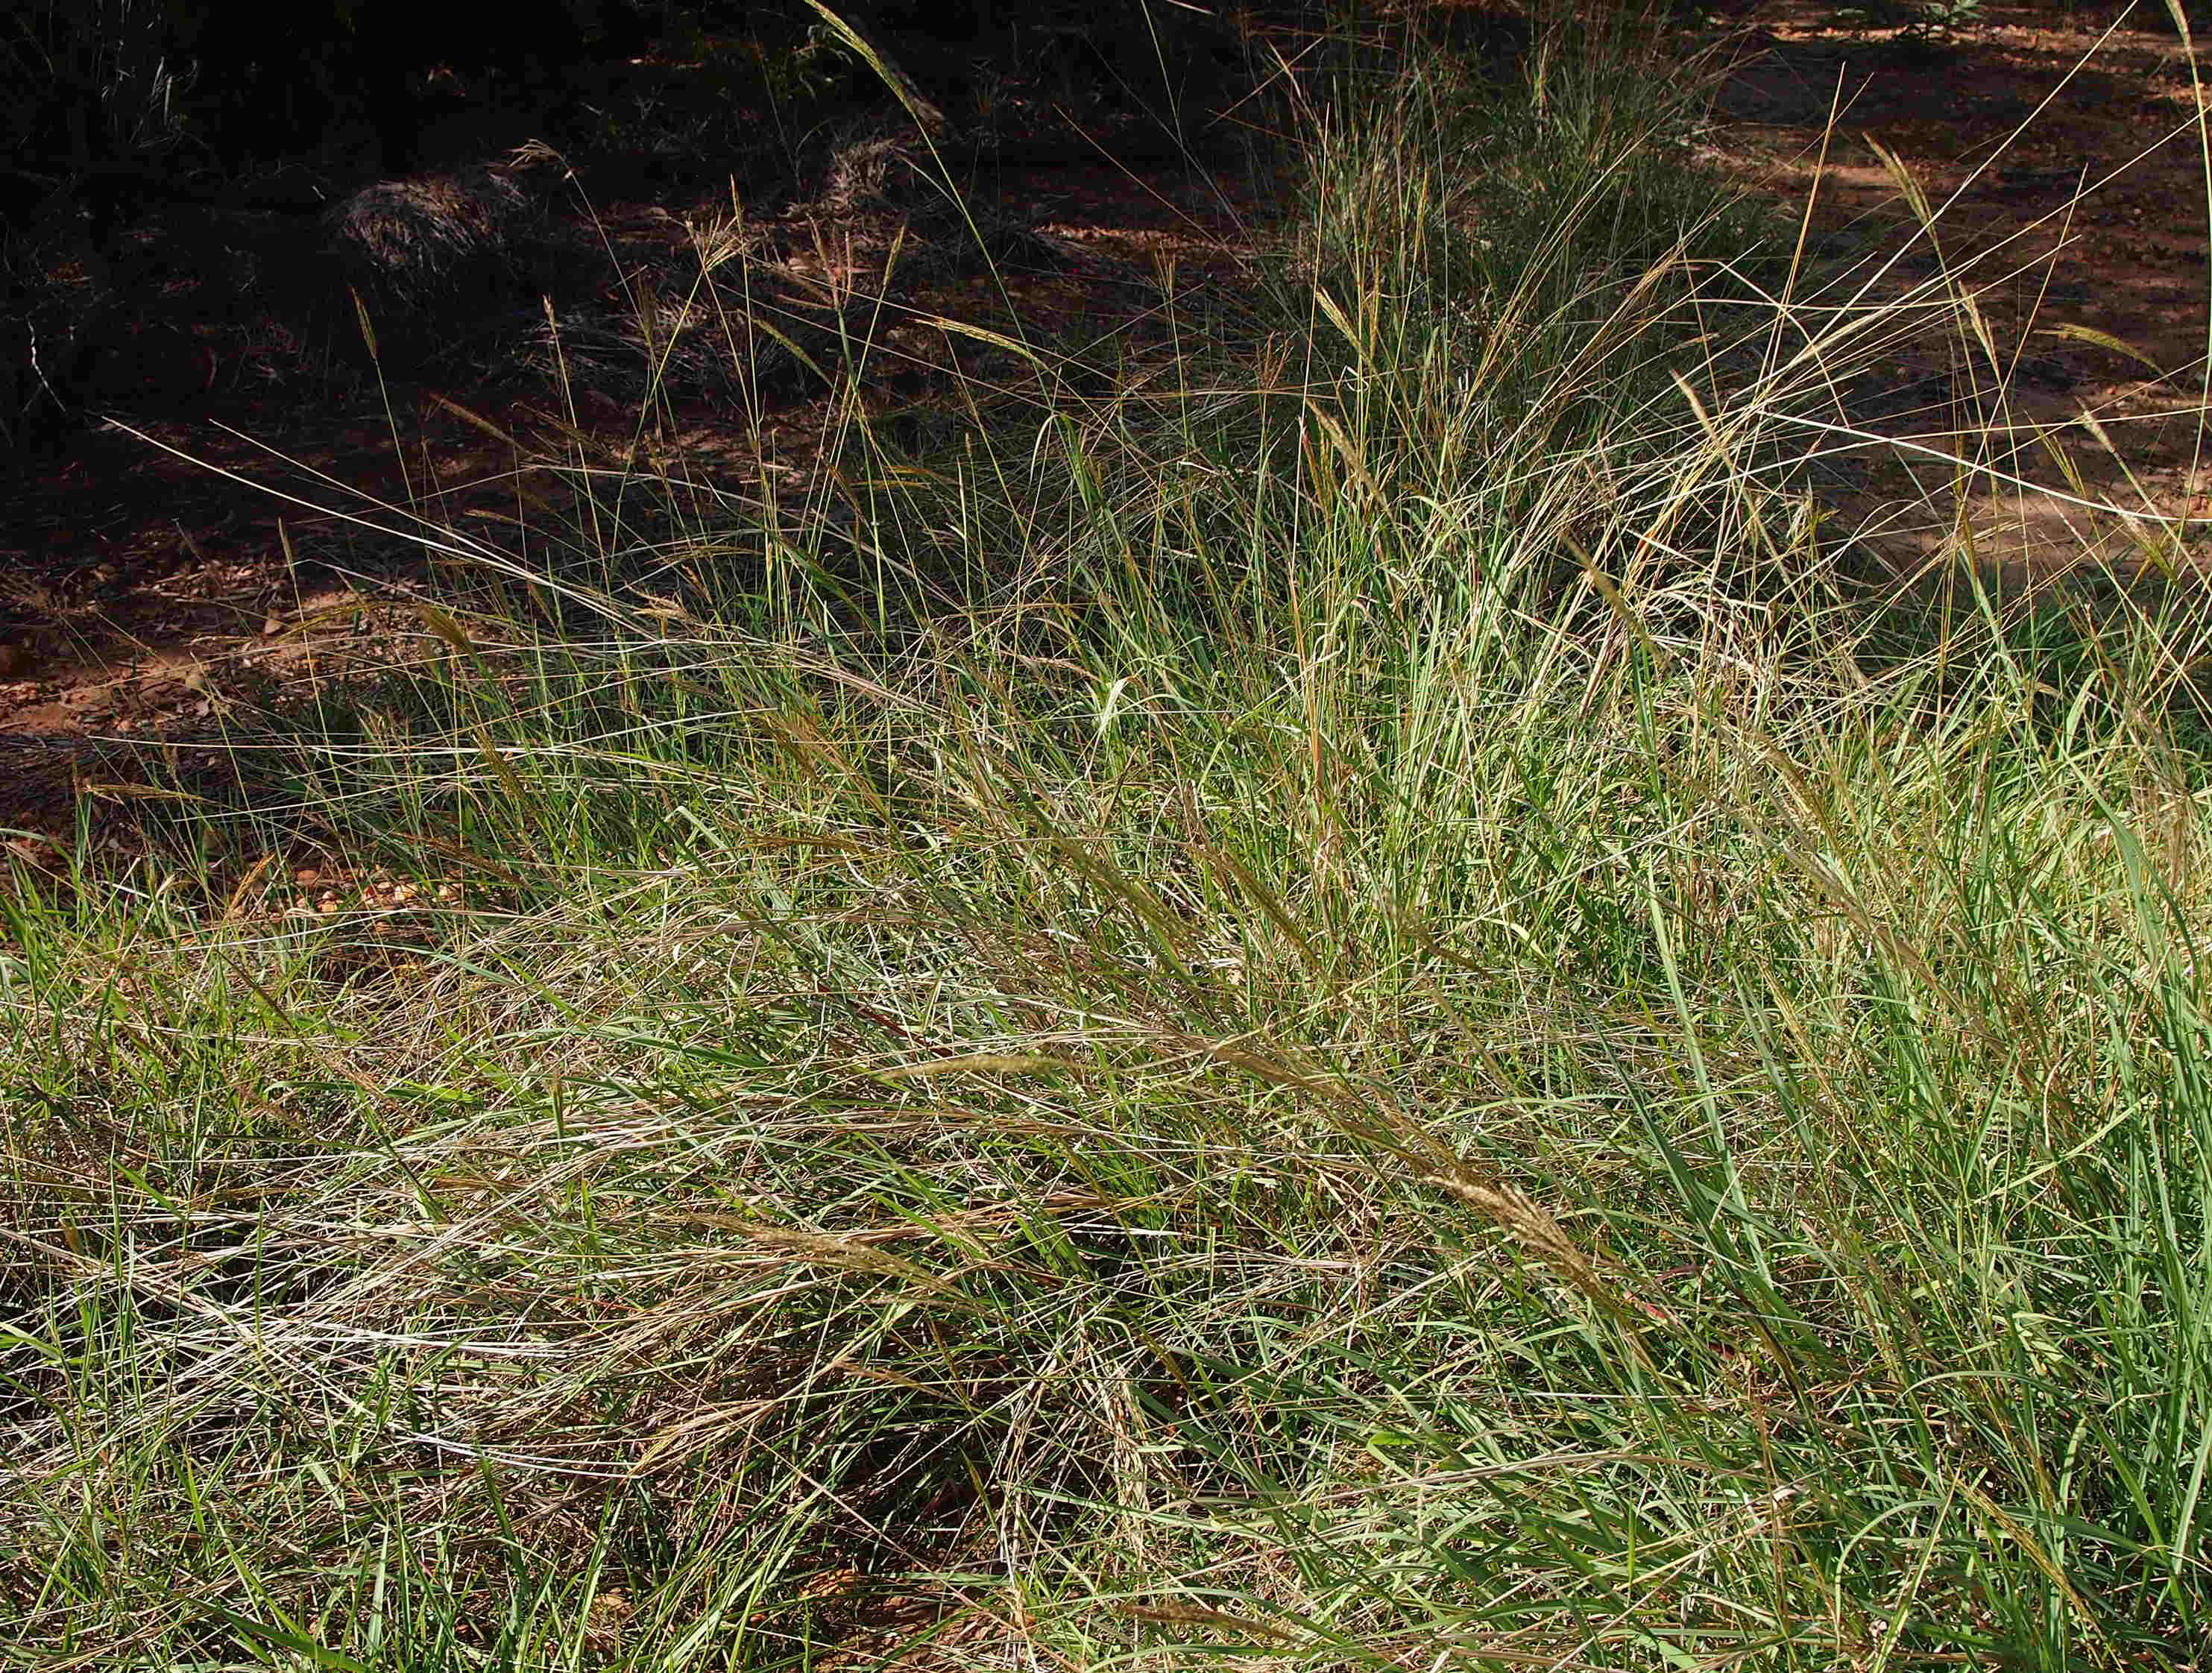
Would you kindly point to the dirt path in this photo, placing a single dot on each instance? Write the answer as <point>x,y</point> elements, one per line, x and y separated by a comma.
<point>2065,164</point>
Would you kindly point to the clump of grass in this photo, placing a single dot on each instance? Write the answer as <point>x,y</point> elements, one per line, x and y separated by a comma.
<point>1332,1020</point>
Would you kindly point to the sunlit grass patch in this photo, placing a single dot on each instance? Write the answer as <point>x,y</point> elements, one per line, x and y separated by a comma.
<point>1369,1016</point>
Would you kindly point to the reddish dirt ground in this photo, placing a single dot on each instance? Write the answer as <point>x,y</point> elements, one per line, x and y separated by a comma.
<point>2063,161</point>
<point>170,572</point>
<point>157,580</point>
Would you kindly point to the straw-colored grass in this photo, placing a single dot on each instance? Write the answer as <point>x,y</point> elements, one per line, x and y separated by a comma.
<point>1361,1015</point>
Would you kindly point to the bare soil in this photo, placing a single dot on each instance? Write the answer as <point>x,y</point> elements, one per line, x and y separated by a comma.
<point>2063,160</point>
<point>257,497</point>
<point>247,521</point>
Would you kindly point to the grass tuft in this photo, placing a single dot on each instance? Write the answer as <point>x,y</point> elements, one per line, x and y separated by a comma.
<point>1368,1011</point>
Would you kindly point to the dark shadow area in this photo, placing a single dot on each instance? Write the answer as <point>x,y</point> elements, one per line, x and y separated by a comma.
<point>412,267</point>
